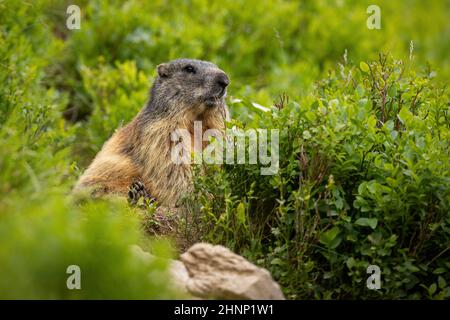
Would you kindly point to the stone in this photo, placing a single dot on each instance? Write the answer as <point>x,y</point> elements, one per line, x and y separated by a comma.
<point>215,272</point>
<point>179,275</point>
<point>177,271</point>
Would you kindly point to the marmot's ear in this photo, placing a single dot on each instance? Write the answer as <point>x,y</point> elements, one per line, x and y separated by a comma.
<point>163,70</point>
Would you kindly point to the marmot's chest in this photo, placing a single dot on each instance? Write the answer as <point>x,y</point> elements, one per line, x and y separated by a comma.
<point>198,139</point>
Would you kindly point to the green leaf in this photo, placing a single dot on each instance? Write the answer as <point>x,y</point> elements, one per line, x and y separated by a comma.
<point>350,262</point>
<point>371,122</point>
<point>447,292</point>
<point>404,115</point>
<point>362,187</point>
<point>367,222</point>
<point>330,238</point>
<point>392,91</point>
<point>306,135</point>
<point>432,289</point>
<point>364,67</point>
<point>372,187</point>
<point>441,282</point>
<point>439,271</point>
<point>276,262</point>
<point>240,213</point>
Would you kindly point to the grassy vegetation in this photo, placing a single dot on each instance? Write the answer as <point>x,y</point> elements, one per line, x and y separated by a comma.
<point>364,179</point>
<point>364,143</point>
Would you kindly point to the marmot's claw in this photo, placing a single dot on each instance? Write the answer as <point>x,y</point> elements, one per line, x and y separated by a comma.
<point>138,191</point>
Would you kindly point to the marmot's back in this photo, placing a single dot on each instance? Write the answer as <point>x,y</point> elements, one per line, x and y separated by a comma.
<point>184,91</point>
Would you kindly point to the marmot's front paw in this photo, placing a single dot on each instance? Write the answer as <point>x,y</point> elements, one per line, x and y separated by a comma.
<point>138,191</point>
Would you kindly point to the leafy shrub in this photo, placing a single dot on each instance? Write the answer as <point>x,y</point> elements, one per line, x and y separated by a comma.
<point>118,94</point>
<point>364,179</point>
<point>43,230</point>
<point>267,47</point>
<point>41,239</point>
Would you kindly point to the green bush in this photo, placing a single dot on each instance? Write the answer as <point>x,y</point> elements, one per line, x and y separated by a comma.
<point>363,180</point>
<point>118,94</point>
<point>267,47</point>
<point>42,229</point>
<point>41,239</point>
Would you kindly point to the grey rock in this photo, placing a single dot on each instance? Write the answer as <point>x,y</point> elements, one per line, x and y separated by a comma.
<point>216,272</point>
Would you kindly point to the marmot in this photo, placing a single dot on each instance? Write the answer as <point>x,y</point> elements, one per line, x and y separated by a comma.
<point>138,156</point>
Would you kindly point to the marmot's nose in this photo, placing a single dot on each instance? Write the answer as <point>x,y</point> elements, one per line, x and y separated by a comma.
<point>222,80</point>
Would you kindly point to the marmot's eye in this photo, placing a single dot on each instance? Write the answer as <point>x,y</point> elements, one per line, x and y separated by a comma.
<point>189,69</point>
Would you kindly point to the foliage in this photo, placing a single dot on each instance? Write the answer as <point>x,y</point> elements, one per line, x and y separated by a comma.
<point>44,238</point>
<point>363,180</point>
<point>267,47</point>
<point>42,229</point>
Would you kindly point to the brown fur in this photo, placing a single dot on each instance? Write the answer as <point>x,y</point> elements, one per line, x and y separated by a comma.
<point>136,153</point>
<point>184,91</point>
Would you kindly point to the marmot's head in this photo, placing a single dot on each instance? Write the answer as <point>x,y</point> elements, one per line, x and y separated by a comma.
<point>188,84</point>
